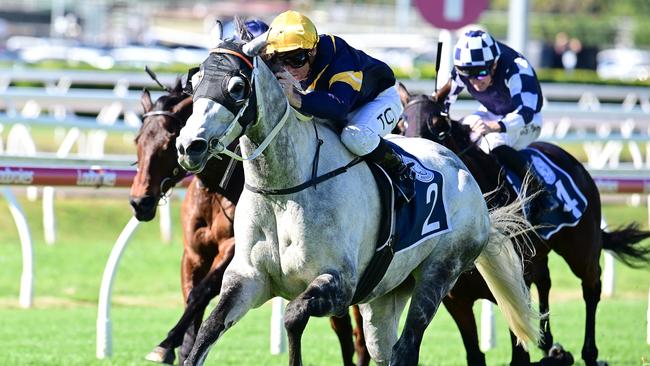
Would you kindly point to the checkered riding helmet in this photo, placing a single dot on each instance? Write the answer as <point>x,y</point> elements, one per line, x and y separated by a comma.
<point>476,49</point>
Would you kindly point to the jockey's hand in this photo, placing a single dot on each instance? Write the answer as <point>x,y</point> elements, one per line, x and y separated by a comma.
<point>484,127</point>
<point>289,89</point>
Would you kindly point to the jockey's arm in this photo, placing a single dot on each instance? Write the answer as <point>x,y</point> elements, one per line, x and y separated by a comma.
<point>334,104</point>
<point>442,93</point>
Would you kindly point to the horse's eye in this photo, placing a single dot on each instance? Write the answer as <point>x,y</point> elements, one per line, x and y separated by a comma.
<point>237,88</point>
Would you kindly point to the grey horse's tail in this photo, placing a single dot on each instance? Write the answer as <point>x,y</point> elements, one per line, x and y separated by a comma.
<point>502,269</point>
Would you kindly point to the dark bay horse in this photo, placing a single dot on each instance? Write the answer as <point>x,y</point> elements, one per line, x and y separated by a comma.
<point>580,245</point>
<point>207,219</point>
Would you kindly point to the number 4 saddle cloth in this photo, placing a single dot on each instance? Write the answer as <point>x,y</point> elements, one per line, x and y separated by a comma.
<point>572,202</point>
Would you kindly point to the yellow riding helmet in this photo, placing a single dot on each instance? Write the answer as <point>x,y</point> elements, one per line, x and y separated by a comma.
<point>291,31</point>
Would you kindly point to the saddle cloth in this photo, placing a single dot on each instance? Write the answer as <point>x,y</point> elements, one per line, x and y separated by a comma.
<point>424,216</point>
<point>405,227</point>
<point>572,202</point>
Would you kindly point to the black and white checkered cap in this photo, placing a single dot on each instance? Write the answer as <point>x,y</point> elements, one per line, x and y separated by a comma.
<point>475,48</point>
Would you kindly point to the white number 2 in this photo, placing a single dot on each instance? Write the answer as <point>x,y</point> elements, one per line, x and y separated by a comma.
<point>432,193</point>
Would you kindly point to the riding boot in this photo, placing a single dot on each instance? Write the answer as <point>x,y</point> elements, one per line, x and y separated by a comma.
<point>545,200</point>
<point>402,175</point>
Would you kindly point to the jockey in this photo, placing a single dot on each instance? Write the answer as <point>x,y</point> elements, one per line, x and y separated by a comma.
<point>509,117</point>
<point>327,78</point>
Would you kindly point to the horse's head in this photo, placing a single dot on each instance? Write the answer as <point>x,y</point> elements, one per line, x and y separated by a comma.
<point>426,118</point>
<point>224,100</point>
<point>158,170</point>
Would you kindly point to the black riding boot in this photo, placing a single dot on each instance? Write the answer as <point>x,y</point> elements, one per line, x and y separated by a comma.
<point>402,175</point>
<point>545,200</point>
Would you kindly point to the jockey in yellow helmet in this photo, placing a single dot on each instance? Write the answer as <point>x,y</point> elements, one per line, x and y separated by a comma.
<point>327,78</point>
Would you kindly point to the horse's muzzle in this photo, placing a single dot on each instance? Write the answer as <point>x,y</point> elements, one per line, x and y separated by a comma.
<point>144,208</point>
<point>193,155</point>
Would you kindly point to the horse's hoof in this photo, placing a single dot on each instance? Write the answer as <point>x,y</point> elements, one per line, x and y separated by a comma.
<point>557,356</point>
<point>602,363</point>
<point>161,355</point>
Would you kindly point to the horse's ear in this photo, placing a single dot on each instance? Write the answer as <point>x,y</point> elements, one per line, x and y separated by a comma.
<point>178,86</point>
<point>404,94</point>
<point>242,30</point>
<point>147,104</point>
<point>216,34</point>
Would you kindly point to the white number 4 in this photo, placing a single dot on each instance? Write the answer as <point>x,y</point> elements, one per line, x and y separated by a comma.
<point>569,203</point>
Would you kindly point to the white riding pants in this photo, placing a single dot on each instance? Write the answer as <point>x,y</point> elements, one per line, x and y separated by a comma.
<point>370,121</point>
<point>517,135</point>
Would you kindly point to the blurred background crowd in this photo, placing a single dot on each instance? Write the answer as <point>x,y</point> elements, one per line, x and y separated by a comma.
<point>587,39</point>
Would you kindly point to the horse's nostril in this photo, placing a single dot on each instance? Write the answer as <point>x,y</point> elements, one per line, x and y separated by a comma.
<point>181,149</point>
<point>197,147</point>
<point>142,203</point>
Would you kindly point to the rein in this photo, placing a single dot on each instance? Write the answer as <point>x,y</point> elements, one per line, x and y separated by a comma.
<point>314,178</point>
<point>312,182</point>
<point>235,129</point>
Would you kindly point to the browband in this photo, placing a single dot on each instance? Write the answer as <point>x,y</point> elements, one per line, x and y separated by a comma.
<point>234,53</point>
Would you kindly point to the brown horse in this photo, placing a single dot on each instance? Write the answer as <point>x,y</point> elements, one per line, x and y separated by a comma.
<point>207,218</point>
<point>580,245</point>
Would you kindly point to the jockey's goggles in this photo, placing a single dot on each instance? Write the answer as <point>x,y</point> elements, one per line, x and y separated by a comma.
<point>474,72</point>
<point>295,60</point>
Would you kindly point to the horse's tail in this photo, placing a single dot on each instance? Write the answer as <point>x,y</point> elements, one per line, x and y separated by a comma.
<point>502,269</point>
<point>622,244</point>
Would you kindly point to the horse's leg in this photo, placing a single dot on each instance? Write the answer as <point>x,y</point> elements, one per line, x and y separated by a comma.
<point>462,313</point>
<point>436,279</point>
<point>537,273</point>
<point>585,265</point>
<point>326,294</point>
<point>363,357</point>
<point>239,294</point>
<point>542,280</point>
<point>520,357</point>
<point>380,322</point>
<point>185,330</point>
<point>209,289</point>
<point>591,288</point>
<point>343,328</point>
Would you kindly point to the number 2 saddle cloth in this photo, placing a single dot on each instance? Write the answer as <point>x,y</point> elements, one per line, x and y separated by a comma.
<point>572,202</point>
<point>424,216</point>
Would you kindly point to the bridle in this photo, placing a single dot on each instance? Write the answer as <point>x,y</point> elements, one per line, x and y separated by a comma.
<point>175,177</point>
<point>162,113</point>
<point>235,128</point>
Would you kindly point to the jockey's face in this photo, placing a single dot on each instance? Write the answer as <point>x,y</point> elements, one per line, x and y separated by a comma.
<point>298,64</point>
<point>481,83</point>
